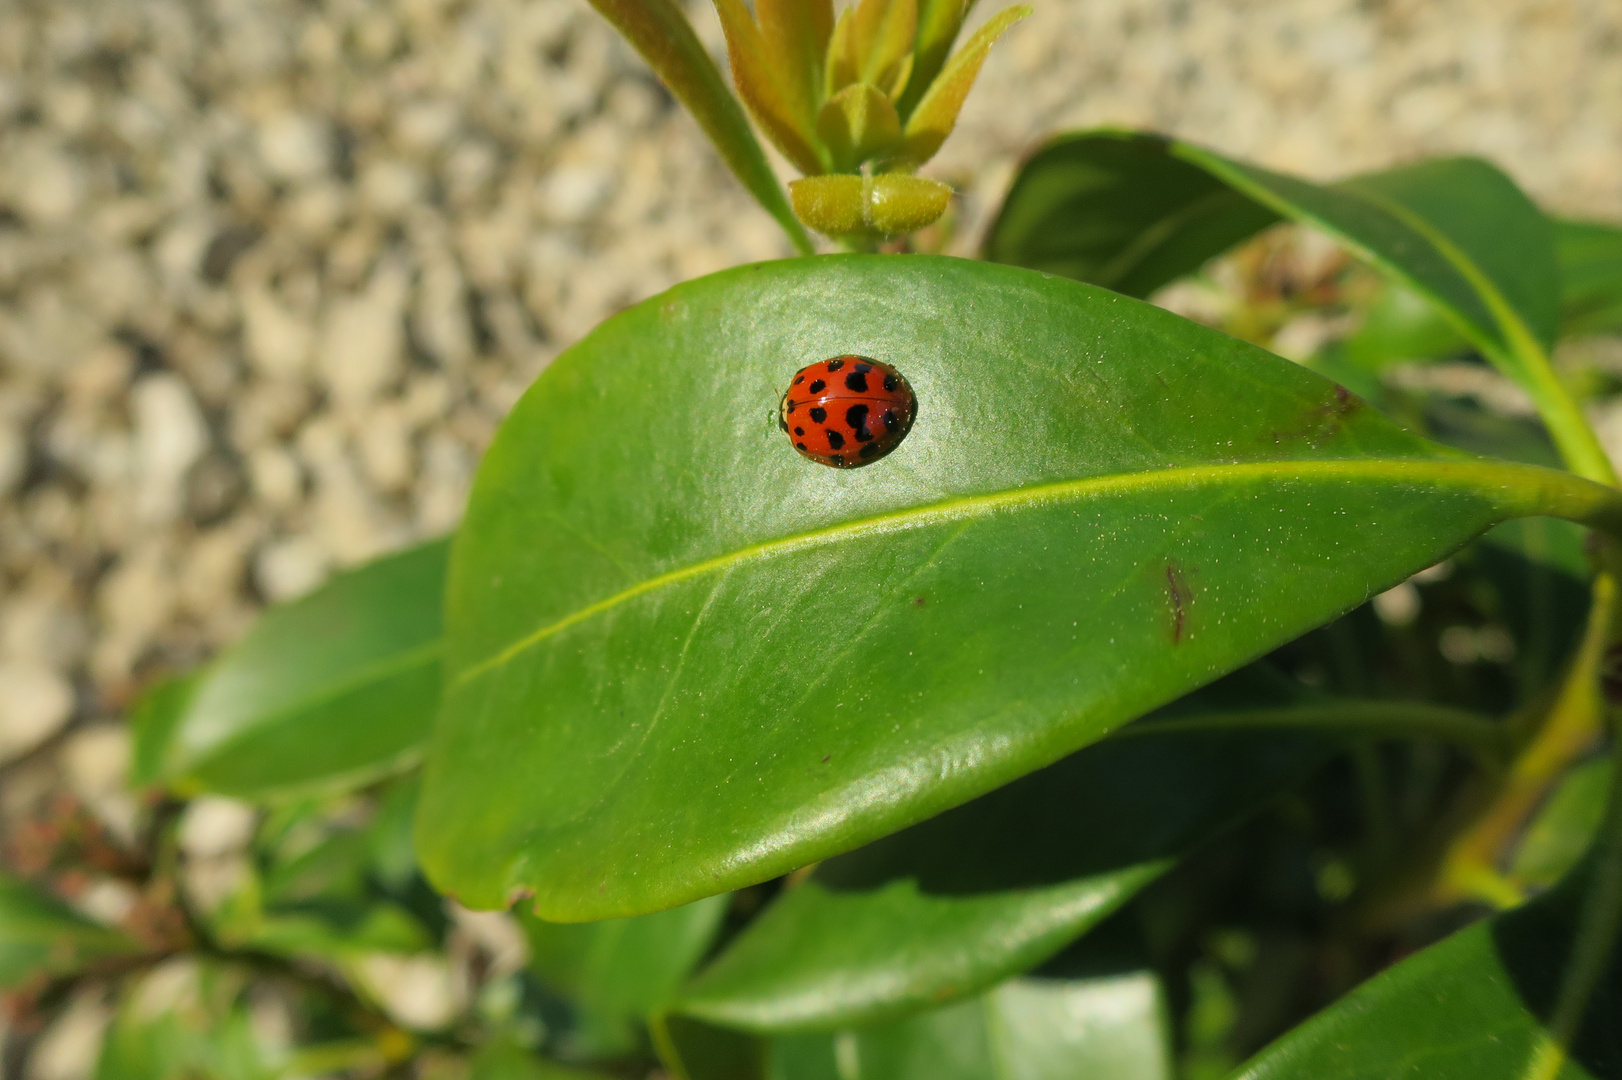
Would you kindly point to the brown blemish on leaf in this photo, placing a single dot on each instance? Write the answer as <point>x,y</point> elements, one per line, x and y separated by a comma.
<point>1323,419</point>
<point>919,601</point>
<point>1178,596</point>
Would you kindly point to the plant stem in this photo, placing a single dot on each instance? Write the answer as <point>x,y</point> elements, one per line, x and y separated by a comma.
<point>1573,725</point>
<point>1393,719</point>
<point>1592,945</point>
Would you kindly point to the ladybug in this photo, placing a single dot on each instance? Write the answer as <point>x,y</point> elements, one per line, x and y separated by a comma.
<point>847,411</point>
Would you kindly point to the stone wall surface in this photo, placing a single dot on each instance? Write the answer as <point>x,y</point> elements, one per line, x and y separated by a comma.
<point>272,270</point>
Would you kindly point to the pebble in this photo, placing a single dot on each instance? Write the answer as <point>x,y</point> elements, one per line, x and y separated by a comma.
<point>419,992</point>
<point>34,704</point>
<point>69,1048</point>
<point>170,436</point>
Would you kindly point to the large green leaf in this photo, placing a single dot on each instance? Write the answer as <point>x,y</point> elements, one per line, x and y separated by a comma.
<point>39,936</point>
<point>338,686</point>
<point>614,973</point>
<point>1105,1022</point>
<point>682,658</point>
<point>1473,1007</point>
<point>1117,209</point>
<point>1131,211</point>
<point>1029,1029</point>
<point>987,890</point>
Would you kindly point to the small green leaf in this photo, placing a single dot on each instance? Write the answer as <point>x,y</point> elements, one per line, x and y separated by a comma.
<point>42,937</point>
<point>858,124</point>
<point>1591,277</point>
<point>659,30</point>
<point>153,719</point>
<point>1561,831</point>
<point>950,906</point>
<point>617,972</point>
<point>337,687</point>
<point>756,73</point>
<point>843,66</point>
<point>884,33</point>
<point>796,35</point>
<point>939,22</point>
<point>936,113</point>
<point>687,659</point>
<point>1473,1007</point>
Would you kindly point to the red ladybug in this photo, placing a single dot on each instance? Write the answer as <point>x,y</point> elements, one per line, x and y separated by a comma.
<point>847,411</point>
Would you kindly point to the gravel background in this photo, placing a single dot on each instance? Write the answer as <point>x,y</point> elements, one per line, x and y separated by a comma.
<point>271,271</point>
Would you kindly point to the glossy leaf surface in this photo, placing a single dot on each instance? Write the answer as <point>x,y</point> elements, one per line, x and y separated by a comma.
<point>39,936</point>
<point>1117,209</point>
<point>338,686</point>
<point>987,890</point>
<point>617,971</point>
<point>684,658</point>
<point>1028,1029</point>
<point>1472,1007</point>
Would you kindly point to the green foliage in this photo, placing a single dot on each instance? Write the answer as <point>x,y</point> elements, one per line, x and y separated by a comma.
<point>41,937</point>
<point>966,899</point>
<point>755,663</point>
<point>1473,1007</point>
<point>615,973</point>
<point>332,689</point>
<point>1135,209</point>
<point>1061,742</point>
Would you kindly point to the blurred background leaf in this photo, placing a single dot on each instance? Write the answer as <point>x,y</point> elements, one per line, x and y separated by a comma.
<point>335,688</point>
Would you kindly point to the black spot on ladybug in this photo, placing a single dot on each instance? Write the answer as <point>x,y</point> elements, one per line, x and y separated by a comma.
<point>818,414</point>
<point>856,420</point>
<point>835,439</point>
<point>892,422</point>
<point>891,382</point>
<point>837,459</point>
<point>863,368</point>
<point>817,387</point>
<point>856,381</point>
<point>799,446</point>
<point>869,450</point>
<point>799,431</point>
<point>835,365</point>
<point>791,406</point>
<point>798,379</point>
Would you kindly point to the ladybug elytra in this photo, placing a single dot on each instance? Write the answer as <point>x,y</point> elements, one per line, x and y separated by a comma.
<point>847,411</point>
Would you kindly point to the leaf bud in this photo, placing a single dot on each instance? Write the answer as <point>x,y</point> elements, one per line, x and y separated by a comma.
<point>868,207</point>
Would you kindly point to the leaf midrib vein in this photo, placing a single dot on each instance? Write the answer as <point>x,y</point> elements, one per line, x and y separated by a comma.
<point>1587,499</point>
